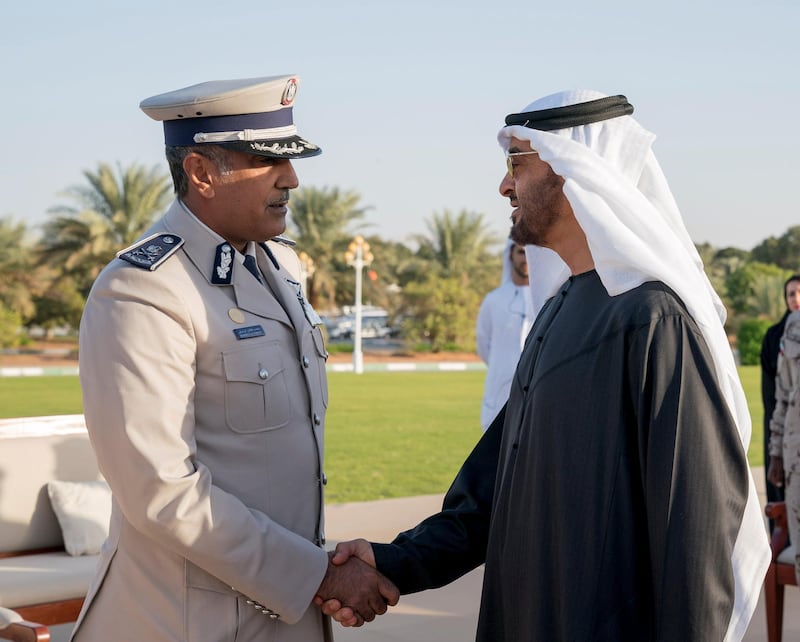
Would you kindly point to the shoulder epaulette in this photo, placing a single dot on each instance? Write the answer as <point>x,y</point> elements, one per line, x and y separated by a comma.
<point>151,252</point>
<point>284,240</point>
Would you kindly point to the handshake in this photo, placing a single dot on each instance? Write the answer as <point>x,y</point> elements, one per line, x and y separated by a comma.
<point>353,591</point>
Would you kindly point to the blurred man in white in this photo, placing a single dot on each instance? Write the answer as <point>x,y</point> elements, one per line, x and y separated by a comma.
<point>504,320</point>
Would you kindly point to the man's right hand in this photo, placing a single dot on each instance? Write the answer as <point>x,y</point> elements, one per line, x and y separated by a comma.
<point>339,610</point>
<point>353,586</point>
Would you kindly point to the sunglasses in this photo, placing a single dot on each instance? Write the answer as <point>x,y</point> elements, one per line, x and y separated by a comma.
<point>510,156</point>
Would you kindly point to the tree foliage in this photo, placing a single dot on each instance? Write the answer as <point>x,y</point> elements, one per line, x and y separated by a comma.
<point>111,212</point>
<point>783,251</point>
<point>756,289</point>
<point>441,313</point>
<point>436,287</point>
<point>749,339</point>
<point>323,223</point>
<point>10,326</point>
<point>19,282</point>
<point>458,245</point>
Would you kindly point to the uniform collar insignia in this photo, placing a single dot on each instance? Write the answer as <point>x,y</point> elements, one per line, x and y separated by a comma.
<point>223,264</point>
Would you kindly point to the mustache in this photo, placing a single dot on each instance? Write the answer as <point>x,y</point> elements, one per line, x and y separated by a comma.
<point>284,198</point>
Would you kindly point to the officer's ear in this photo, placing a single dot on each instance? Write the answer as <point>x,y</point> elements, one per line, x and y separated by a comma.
<point>201,173</point>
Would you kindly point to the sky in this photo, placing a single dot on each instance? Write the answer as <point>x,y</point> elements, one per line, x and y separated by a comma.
<point>406,98</point>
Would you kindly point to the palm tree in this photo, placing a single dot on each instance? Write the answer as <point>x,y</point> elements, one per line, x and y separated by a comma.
<point>442,303</point>
<point>18,283</point>
<point>461,246</point>
<point>323,223</point>
<point>112,212</point>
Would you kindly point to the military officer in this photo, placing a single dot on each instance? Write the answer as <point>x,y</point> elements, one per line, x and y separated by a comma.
<point>204,388</point>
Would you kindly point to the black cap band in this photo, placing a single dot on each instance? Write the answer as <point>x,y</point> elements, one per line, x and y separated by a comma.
<point>592,111</point>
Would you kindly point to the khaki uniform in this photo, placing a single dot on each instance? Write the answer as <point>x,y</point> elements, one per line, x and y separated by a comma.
<point>205,404</point>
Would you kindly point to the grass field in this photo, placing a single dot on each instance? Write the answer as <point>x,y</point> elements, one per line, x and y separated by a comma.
<point>388,434</point>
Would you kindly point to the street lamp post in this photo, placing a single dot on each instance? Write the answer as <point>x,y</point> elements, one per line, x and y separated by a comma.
<point>358,255</point>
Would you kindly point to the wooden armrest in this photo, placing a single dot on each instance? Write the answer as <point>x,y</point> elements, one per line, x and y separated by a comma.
<point>776,511</point>
<point>13,627</point>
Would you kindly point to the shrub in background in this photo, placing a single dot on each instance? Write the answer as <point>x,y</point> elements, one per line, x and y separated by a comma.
<point>749,338</point>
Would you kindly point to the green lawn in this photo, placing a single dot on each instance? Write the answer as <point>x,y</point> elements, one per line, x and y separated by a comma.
<point>751,382</point>
<point>388,434</point>
<point>399,434</point>
<point>39,396</point>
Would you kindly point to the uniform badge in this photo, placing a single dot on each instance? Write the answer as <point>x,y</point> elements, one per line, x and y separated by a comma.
<point>223,272</point>
<point>311,314</point>
<point>289,92</point>
<point>250,332</point>
<point>152,251</point>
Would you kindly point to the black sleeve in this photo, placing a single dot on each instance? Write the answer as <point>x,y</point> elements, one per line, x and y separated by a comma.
<point>452,542</point>
<point>768,371</point>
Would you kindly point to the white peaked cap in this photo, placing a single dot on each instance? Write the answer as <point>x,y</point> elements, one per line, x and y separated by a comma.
<point>251,115</point>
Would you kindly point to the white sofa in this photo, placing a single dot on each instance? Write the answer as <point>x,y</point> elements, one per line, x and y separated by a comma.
<point>39,580</point>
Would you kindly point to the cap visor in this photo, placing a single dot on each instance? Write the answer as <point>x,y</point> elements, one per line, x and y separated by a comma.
<point>291,147</point>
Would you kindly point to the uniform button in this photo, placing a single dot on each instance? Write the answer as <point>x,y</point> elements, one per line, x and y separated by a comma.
<point>273,616</point>
<point>324,479</point>
<point>263,373</point>
<point>322,538</point>
<point>306,362</point>
<point>317,419</point>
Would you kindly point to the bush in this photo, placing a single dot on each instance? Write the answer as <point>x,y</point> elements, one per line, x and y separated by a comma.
<point>10,324</point>
<point>749,339</point>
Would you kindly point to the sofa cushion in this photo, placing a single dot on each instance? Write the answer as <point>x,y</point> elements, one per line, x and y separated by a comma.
<point>83,510</point>
<point>46,577</point>
<point>30,456</point>
<point>7,616</point>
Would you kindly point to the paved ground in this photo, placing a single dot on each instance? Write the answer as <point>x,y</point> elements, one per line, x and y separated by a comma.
<point>450,614</point>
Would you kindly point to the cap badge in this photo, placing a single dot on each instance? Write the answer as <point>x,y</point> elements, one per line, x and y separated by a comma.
<point>290,92</point>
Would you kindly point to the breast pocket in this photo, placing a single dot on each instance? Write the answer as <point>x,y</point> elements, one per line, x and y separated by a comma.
<point>256,392</point>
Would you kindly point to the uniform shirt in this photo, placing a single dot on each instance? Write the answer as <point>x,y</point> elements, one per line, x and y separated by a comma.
<point>205,396</point>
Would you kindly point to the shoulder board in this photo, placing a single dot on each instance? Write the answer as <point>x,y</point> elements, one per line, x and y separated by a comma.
<point>151,252</point>
<point>284,240</point>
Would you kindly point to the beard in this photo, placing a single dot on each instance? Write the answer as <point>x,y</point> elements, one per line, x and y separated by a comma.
<point>538,211</point>
<point>533,229</point>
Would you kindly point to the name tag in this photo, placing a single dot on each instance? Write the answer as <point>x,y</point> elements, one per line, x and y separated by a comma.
<point>250,332</point>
